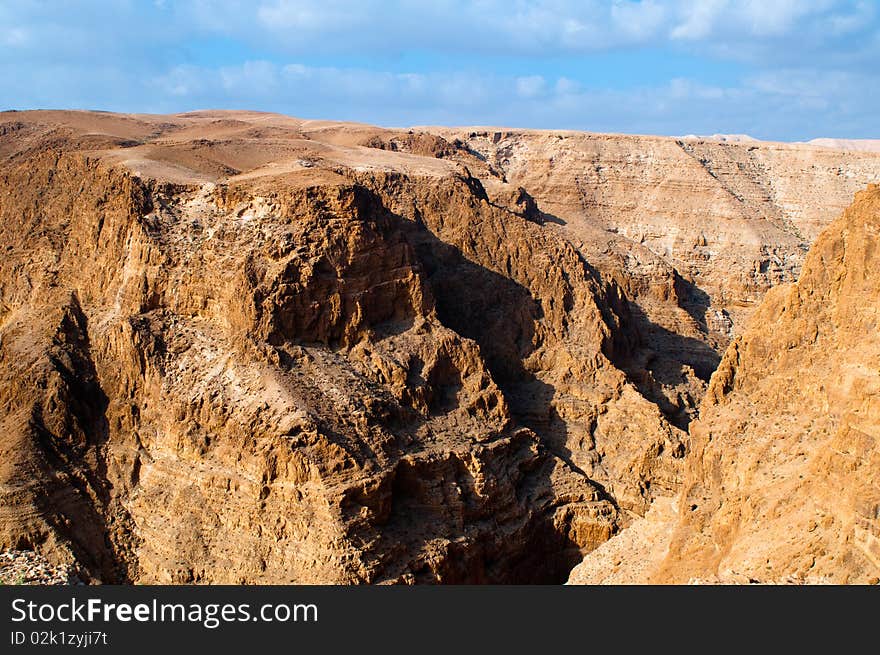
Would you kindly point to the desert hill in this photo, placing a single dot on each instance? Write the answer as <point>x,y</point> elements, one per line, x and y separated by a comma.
<point>243,347</point>
<point>781,484</point>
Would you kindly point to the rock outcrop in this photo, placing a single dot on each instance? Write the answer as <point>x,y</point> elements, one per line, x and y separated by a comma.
<point>694,230</point>
<point>783,482</point>
<point>240,347</point>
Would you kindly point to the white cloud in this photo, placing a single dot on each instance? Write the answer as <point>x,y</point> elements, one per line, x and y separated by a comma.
<point>530,86</point>
<point>778,17</point>
<point>254,77</point>
<point>699,21</point>
<point>456,27</point>
<point>310,16</point>
<point>565,86</point>
<point>544,26</point>
<point>13,37</point>
<point>639,21</point>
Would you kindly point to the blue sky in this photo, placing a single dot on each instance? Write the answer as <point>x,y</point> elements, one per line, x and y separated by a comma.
<point>775,69</point>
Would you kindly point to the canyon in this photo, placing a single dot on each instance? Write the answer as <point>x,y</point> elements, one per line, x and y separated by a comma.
<point>241,347</point>
<point>781,485</point>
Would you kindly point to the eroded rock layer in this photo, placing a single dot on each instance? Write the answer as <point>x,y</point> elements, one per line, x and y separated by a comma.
<point>783,482</point>
<point>694,230</point>
<point>240,347</point>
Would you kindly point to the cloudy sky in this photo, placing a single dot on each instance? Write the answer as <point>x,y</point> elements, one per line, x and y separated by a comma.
<point>775,69</point>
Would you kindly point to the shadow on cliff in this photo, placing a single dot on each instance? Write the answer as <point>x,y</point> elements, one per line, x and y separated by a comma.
<point>73,437</point>
<point>552,218</point>
<point>658,361</point>
<point>693,300</point>
<point>501,315</point>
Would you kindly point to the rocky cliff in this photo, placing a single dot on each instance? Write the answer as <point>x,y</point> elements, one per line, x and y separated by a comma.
<point>240,347</point>
<point>694,230</point>
<point>783,481</point>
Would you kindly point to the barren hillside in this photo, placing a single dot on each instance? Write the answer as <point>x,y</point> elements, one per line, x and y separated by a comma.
<point>242,347</point>
<point>782,481</point>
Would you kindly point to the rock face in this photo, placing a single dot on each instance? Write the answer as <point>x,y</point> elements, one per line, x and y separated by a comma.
<point>783,482</point>
<point>240,347</point>
<point>733,218</point>
<point>694,230</point>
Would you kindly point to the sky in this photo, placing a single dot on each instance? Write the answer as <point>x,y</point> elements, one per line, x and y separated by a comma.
<point>775,69</point>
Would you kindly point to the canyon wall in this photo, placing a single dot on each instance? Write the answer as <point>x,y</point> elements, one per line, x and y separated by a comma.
<point>695,231</point>
<point>240,347</point>
<point>782,483</point>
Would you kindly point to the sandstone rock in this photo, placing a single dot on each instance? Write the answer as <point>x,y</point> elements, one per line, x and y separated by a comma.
<point>694,230</point>
<point>353,371</point>
<point>240,347</point>
<point>782,483</point>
